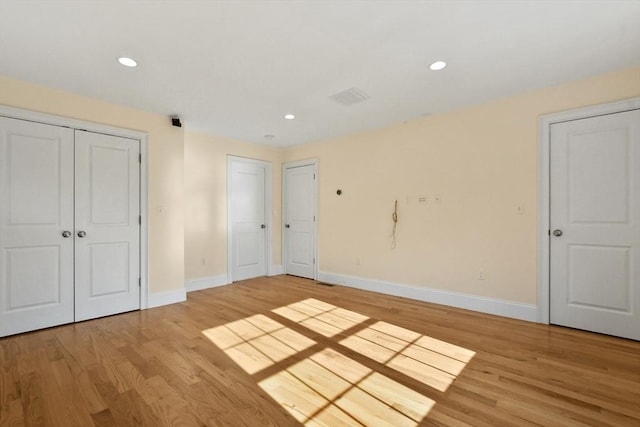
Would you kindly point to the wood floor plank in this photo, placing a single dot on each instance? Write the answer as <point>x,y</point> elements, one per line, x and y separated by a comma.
<point>12,414</point>
<point>104,418</point>
<point>73,409</point>
<point>32,399</point>
<point>286,351</point>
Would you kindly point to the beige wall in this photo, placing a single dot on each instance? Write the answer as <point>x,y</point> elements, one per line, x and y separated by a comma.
<point>482,161</point>
<point>166,187</point>
<point>205,179</point>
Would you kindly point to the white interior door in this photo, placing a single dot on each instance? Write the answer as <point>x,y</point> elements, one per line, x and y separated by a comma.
<point>299,220</point>
<point>248,225</point>
<point>107,230</point>
<point>595,224</point>
<point>36,194</point>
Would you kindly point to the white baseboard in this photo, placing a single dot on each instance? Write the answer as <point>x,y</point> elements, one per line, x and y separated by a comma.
<point>276,270</point>
<point>498,307</point>
<point>158,299</point>
<point>206,283</point>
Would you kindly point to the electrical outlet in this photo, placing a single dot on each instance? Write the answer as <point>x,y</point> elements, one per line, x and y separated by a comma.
<point>358,261</point>
<point>204,261</point>
<point>482,274</point>
<point>422,200</point>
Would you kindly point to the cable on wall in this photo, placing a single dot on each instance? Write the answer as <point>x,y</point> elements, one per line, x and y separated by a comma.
<point>394,217</point>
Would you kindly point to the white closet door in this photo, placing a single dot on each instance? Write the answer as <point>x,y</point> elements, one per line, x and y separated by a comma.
<point>248,220</point>
<point>595,224</point>
<point>36,194</point>
<point>107,231</point>
<point>299,231</point>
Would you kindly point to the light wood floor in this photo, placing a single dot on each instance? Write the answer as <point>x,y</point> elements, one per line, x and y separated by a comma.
<point>285,351</point>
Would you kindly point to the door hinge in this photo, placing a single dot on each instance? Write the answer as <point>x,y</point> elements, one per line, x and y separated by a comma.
<point>140,158</point>
<point>139,219</point>
<point>314,176</point>
<point>314,218</point>
<point>314,260</point>
<point>549,232</point>
<point>139,282</point>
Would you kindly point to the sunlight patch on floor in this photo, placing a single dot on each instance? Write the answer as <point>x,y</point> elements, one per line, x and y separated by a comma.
<point>321,317</point>
<point>330,389</point>
<point>257,342</point>
<point>433,362</point>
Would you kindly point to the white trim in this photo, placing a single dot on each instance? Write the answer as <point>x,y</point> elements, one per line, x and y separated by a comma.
<point>296,164</point>
<point>144,226</point>
<point>50,119</point>
<point>206,283</point>
<point>494,306</point>
<point>545,123</point>
<point>276,270</point>
<point>268,211</point>
<point>173,296</point>
<point>229,222</point>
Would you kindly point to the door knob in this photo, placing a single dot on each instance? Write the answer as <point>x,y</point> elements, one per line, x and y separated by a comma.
<point>66,234</point>
<point>557,233</point>
<point>81,234</point>
<point>287,226</point>
<point>263,226</point>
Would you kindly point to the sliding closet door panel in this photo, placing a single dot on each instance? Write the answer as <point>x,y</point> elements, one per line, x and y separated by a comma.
<point>36,194</point>
<point>107,231</point>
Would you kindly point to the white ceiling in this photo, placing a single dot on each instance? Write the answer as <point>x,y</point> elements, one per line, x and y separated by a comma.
<point>234,68</point>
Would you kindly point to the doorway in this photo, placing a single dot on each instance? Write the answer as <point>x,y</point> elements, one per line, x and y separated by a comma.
<point>299,214</point>
<point>590,215</point>
<point>70,225</point>
<point>248,218</point>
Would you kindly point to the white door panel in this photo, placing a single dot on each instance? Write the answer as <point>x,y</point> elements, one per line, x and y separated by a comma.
<point>36,261</point>
<point>37,266</point>
<point>248,220</point>
<point>299,219</point>
<point>107,210</point>
<point>589,267</point>
<point>595,204</point>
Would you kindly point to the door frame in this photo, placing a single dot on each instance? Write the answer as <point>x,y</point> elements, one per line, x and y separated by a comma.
<point>51,119</point>
<point>290,165</point>
<point>268,208</point>
<point>544,189</point>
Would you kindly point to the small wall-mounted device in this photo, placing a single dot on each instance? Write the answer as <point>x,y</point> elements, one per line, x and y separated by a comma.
<point>175,121</point>
<point>394,218</point>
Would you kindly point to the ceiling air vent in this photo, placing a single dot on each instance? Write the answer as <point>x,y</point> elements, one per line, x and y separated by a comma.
<point>350,96</point>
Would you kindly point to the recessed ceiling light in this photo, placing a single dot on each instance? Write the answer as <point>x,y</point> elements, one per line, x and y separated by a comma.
<point>127,62</point>
<point>438,65</point>
<point>289,116</point>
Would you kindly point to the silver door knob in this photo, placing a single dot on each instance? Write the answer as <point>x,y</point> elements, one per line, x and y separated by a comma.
<point>557,233</point>
<point>66,234</point>
<point>81,234</point>
<point>287,226</point>
<point>263,226</point>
